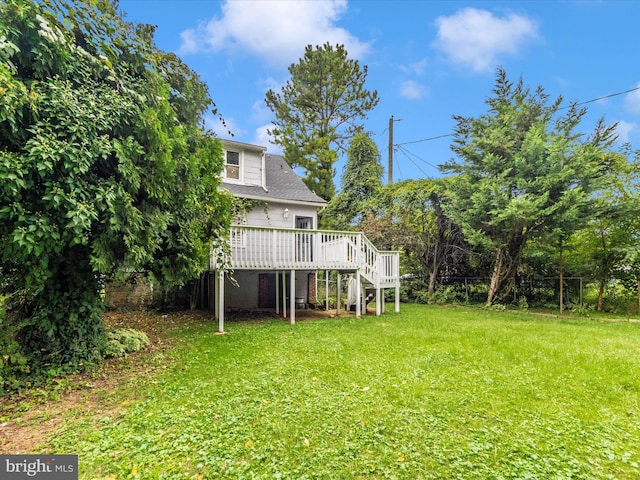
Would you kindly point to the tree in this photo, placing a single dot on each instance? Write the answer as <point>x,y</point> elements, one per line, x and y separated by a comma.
<point>105,168</point>
<point>318,110</point>
<point>409,216</point>
<point>522,172</point>
<point>361,181</point>
<point>606,247</point>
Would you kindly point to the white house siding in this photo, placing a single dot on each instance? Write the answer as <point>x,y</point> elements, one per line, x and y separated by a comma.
<point>252,168</point>
<point>273,215</point>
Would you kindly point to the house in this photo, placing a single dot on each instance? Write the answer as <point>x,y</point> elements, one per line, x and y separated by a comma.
<point>276,248</point>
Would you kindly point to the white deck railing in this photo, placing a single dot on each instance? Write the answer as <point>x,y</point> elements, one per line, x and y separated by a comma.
<point>257,248</point>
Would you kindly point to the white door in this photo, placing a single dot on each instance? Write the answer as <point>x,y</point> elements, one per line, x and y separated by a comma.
<point>304,251</point>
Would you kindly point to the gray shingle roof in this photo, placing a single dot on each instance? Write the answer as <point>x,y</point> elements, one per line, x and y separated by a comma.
<point>282,184</point>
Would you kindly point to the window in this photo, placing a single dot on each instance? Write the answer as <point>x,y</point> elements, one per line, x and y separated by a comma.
<point>232,165</point>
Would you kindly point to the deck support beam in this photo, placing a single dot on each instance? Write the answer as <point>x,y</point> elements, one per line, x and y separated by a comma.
<point>338,292</point>
<point>220,302</point>
<point>326,290</point>
<point>284,295</point>
<point>292,297</point>
<point>277,295</point>
<point>358,294</point>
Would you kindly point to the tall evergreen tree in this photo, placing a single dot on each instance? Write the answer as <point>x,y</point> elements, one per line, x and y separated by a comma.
<point>318,110</point>
<point>522,171</point>
<point>361,181</point>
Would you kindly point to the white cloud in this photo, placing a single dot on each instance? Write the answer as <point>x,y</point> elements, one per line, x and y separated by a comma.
<point>632,101</point>
<point>416,68</point>
<point>276,30</point>
<point>413,90</point>
<point>261,137</point>
<point>624,130</point>
<point>261,112</point>
<point>477,38</point>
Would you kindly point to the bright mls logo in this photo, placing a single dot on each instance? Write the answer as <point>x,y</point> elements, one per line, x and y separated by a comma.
<point>49,467</point>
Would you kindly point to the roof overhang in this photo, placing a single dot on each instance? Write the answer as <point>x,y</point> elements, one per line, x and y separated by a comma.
<point>281,200</point>
<point>243,146</point>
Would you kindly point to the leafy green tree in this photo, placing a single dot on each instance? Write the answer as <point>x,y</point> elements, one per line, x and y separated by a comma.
<point>105,168</point>
<point>361,181</point>
<point>409,216</point>
<point>318,110</point>
<point>522,172</point>
<point>607,246</point>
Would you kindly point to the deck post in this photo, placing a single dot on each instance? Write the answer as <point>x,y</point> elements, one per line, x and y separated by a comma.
<point>292,299</point>
<point>378,301</point>
<point>338,291</point>
<point>397,296</point>
<point>326,290</point>
<point>277,294</point>
<point>221,301</point>
<point>358,294</point>
<point>284,294</point>
<point>216,297</point>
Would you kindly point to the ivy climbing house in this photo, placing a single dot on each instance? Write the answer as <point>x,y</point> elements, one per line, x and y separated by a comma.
<point>275,249</point>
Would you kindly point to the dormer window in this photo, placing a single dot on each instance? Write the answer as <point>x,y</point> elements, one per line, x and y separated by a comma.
<point>232,165</point>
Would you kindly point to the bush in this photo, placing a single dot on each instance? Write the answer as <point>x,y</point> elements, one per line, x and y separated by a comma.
<point>446,295</point>
<point>123,341</point>
<point>523,304</point>
<point>13,362</point>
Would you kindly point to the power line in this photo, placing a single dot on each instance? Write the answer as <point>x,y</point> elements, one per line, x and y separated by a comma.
<point>562,108</point>
<point>414,163</point>
<point>407,153</point>
<point>603,97</point>
<point>424,139</point>
<point>399,170</point>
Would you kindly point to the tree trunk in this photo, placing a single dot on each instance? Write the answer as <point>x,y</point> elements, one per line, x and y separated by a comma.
<point>193,297</point>
<point>600,295</point>
<point>433,276</point>
<point>561,280</point>
<point>496,276</point>
<point>505,267</point>
<point>433,271</point>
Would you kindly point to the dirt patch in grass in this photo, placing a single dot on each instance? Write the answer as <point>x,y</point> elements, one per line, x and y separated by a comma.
<point>29,418</point>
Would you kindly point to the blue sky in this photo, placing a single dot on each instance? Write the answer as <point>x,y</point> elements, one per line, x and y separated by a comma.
<point>428,60</point>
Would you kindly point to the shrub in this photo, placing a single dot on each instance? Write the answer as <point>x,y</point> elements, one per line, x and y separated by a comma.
<point>123,341</point>
<point>523,304</point>
<point>13,362</point>
<point>446,295</point>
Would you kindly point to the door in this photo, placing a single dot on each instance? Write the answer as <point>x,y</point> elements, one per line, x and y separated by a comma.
<point>304,246</point>
<point>267,289</point>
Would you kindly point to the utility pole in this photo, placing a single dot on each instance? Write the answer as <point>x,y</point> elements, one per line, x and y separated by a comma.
<point>390,168</point>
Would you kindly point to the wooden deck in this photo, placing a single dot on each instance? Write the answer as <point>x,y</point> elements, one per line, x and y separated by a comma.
<point>292,250</point>
<point>255,248</point>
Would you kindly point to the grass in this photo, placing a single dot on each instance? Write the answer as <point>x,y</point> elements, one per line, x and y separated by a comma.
<point>431,392</point>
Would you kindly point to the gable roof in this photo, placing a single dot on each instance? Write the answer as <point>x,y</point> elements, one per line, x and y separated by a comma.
<point>283,184</point>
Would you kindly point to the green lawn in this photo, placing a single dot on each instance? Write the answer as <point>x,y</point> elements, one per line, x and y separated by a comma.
<point>431,392</point>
